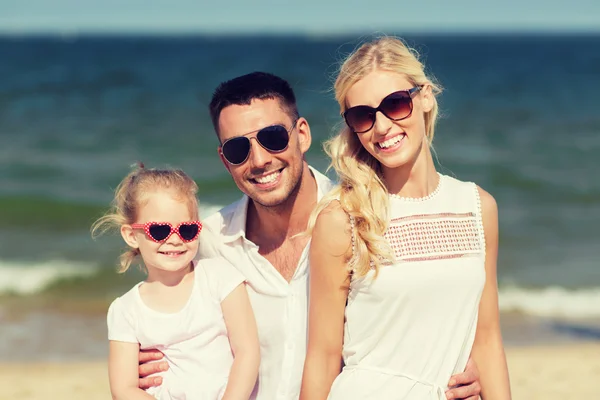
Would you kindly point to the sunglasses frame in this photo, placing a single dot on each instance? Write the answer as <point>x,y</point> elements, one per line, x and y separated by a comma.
<point>411,94</point>
<point>245,135</point>
<point>146,227</point>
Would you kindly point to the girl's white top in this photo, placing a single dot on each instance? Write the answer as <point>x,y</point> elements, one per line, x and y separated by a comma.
<point>193,340</point>
<point>411,328</point>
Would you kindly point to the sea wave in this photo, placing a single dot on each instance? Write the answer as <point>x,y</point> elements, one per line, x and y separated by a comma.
<point>553,301</point>
<point>29,279</point>
<point>32,278</point>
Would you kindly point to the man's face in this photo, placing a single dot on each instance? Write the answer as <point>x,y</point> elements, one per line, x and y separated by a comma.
<point>268,178</point>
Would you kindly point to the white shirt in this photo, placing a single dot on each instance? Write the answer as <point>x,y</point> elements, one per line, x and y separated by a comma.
<point>194,340</point>
<point>280,308</point>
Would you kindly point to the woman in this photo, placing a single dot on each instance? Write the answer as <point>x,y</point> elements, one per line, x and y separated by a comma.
<point>402,259</point>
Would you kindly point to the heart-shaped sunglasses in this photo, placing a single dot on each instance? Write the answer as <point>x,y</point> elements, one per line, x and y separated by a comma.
<point>161,231</point>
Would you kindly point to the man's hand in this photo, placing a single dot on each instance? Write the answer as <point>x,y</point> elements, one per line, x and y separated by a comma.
<point>465,385</point>
<point>147,367</point>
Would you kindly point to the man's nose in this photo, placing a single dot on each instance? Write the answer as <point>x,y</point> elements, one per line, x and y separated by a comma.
<point>259,157</point>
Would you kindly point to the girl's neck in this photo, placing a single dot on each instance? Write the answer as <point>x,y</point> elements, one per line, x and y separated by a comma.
<point>167,292</point>
<point>170,278</point>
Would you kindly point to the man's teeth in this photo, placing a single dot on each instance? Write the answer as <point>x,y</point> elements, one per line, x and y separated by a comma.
<point>267,178</point>
<point>391,142</point>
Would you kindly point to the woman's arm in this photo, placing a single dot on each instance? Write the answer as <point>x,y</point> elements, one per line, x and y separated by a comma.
<point>123,371</point>
<point>488,350</point>
<point>330,249</point>
<point>243,337</point>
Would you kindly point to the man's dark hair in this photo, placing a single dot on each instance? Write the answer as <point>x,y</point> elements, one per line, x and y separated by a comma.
<point>256,85</point>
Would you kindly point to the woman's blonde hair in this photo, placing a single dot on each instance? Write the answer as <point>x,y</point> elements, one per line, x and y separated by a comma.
<point>361,191</point>
<point>130,196</point>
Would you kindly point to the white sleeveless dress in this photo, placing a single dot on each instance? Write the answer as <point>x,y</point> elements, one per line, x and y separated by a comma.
<point>410,329</point>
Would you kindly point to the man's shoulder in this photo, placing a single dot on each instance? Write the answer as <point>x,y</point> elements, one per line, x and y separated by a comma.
<point>222,217</point>
<point>324,183</point>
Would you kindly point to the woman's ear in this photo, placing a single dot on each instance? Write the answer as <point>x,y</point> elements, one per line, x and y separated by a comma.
<point>129,236</point>
<point>427,98</point>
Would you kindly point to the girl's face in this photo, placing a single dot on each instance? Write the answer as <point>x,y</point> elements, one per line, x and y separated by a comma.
<point>393,143</point>
<point>172,254</point>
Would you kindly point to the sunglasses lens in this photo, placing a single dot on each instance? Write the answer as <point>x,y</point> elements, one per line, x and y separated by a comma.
<point>397,105</point>
<point>188,231</point>
<point>273,138</point>
<point>360,118</point>
<point>236,150</point>
<point>159,232</point>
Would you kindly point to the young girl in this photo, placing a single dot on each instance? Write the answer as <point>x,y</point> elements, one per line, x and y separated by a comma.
<point>197,313</point>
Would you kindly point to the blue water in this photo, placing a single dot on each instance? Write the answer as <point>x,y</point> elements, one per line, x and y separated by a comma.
<point>520,118</point>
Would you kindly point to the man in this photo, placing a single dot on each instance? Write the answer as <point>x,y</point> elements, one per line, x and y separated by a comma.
<point>263,141</point>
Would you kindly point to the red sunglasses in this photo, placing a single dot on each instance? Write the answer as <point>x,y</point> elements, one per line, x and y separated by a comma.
<point>161,231</point>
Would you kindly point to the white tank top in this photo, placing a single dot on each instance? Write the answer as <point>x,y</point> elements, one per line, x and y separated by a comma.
<point>411,328</point>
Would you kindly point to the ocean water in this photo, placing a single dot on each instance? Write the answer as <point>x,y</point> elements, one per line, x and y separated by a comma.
<point>520,118</point>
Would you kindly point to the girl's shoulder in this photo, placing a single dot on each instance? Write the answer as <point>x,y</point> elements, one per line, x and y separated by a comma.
<point>126,301</point>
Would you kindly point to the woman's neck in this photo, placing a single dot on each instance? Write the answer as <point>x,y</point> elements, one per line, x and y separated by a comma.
<point>415,180</point>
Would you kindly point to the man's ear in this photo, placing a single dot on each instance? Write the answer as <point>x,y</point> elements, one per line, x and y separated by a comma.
<point>129,236</point>
<point>223,160</point>
<point>304,136</point>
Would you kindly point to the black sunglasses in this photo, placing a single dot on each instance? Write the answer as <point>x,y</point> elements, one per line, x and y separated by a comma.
<point>396,106</point>
<point>274,138</point>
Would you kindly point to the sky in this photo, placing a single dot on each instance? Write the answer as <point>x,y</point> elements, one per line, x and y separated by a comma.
<point>299,16</point>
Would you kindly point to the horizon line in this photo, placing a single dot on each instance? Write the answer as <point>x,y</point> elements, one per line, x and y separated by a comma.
<point>306,33</point>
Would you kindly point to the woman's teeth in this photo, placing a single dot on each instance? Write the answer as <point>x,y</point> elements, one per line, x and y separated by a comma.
<point>390,142</point>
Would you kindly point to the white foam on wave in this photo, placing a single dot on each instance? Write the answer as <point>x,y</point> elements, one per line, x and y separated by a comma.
<point>27,278</point>
<point>30,278</point>
<point>552,301</point>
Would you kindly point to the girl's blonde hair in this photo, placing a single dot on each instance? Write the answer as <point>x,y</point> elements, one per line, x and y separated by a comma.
<point>130,196</point>
<point>361,191</point>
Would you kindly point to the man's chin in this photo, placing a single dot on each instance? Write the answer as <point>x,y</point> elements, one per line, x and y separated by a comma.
<point>270,200</point>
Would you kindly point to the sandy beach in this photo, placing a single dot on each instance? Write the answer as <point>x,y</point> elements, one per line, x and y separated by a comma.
<point>566,371</point>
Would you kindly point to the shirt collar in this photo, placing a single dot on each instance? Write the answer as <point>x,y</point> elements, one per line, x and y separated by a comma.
<point>235,226</point>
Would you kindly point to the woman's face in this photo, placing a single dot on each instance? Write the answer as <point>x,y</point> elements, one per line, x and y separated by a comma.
<point>393,143</point>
